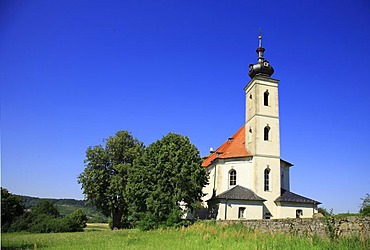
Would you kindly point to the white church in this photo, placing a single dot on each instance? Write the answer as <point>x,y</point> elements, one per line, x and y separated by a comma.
<point>247,177</point>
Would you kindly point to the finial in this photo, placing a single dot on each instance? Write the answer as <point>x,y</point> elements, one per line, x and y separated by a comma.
<point>262,67</point>
<point>260,38</point>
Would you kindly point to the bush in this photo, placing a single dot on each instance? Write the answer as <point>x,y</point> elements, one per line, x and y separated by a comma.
<point>78,219</point>
<point>365,211</point>
<point>46,223</point>
<point>323,211</point>
<point>11,208</point>
<point>22,223</point>
<point>147,222</point>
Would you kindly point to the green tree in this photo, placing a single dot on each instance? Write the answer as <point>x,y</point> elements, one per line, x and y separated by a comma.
<point>47,208</point>
<point>365,206</point>
<point>77,220</point>
<point>11,207</point>
<point>169,172</point>
<point>105,176</point>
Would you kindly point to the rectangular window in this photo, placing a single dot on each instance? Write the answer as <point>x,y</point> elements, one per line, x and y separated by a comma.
<point>266,98</point>
<point>241,213</point>
<point>267,179</point>
<point>298,213</point>
<point>232,175</point>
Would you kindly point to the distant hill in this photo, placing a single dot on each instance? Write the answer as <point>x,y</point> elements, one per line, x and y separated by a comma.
<point>67,206</point>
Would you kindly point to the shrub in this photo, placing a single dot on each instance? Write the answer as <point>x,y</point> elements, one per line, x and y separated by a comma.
<point>22,223</point>
<point>46,223</point>
<point>147,222</point>
<point>11,208</point>
<point>79,219</point>
<point>365,211</point>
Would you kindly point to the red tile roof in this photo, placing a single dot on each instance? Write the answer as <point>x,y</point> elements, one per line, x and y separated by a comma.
<point>233,147</point>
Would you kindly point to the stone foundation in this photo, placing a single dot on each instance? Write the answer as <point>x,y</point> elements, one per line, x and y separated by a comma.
<point>351,226</point>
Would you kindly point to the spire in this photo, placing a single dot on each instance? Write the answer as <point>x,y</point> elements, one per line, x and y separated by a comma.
<point>260,49</point>
<point>262,67</point>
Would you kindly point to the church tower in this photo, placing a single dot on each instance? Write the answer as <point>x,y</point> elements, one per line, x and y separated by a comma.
<point>262,131</point>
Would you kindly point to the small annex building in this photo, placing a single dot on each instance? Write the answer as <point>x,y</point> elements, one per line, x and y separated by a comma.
<point>247,177</point>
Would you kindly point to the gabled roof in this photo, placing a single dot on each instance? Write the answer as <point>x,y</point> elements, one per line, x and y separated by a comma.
<point>239,193</point>
<point>287,196</point>
<point>233,147</point>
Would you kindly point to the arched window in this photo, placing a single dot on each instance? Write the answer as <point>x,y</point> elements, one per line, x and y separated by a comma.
<point>267,179</point>
<point>266,133</point>
<point>266,98</point>
<point>232,177</point>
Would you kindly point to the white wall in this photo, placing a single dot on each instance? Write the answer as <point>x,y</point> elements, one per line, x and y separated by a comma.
<point>288,209</point>
<point>220,170</point>
<point>253,210</point>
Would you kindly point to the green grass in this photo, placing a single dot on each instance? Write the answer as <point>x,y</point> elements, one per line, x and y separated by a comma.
<point>97,227</point>
<point>199,236</point>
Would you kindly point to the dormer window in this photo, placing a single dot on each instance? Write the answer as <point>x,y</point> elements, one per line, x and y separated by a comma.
<point>232,177</point>
<point>266,98</point>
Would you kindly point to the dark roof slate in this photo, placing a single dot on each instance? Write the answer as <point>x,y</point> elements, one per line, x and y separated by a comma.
<point>239,193</point>
<point>287,196</point>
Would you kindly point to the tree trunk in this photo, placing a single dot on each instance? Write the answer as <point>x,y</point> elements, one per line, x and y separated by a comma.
<point>117,217</point>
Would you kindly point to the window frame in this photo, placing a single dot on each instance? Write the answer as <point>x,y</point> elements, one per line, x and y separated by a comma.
<point>266,179</point>
<point>241,212</point>
<point>232,177</point>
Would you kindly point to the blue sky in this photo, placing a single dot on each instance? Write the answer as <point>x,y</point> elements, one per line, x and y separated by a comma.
<point>74,72</point>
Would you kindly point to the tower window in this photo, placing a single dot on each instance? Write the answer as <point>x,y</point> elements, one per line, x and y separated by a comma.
<point>232,177</point>
<point>266,133</point>
<point>267,179</point>
<point>266,98</point>
<point>250,135</point>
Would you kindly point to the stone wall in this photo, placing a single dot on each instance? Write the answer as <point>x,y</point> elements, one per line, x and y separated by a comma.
<point>322,227</point>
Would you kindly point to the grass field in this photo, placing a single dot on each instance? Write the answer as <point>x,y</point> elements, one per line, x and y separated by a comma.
<point>199,236</point>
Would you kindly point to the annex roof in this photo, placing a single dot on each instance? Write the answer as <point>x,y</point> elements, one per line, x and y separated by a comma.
<point>287,196</point>
<point>233,147</point>
<point>239,193</point>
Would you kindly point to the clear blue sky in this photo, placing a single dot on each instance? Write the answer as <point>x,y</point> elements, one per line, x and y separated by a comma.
<point>74,72</point>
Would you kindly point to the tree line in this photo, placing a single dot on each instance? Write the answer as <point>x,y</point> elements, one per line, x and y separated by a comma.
<point>44,217</point>
<point>146,187</point>
<point>66,207</point>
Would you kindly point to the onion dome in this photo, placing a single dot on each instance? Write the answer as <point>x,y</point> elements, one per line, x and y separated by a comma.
<point>262,67</point>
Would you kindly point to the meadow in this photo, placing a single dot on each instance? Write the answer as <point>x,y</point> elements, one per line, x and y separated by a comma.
<point>203,235</point>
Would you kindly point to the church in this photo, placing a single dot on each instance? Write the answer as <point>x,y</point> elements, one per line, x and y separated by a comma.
<point>247,177</point>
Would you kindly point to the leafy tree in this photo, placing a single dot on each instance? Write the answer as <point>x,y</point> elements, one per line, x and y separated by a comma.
<point>11,207</point>
<point>105,176</point>
<point>47,208</point>
<point>169,172</point>
<point>365,206</point>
